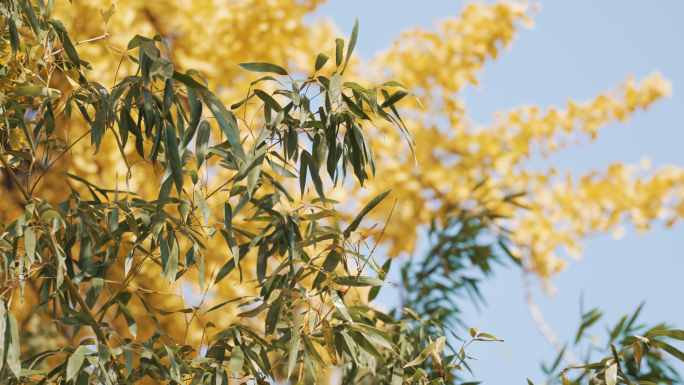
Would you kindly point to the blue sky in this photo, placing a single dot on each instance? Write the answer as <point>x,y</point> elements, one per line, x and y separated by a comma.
<point>578,48</point>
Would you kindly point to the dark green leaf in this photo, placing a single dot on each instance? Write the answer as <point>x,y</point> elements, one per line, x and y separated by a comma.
<point>171,147</point>
<point>320,61</point>
<point>370,206</point>
<point>339,51</point>
<point>352,43</point>
<point>263,67</point>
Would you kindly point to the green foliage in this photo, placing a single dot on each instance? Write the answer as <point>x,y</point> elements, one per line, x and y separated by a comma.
<point>307,326</point>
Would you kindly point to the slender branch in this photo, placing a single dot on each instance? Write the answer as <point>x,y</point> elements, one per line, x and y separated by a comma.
<point>81,42</point>
<point>544,329</point>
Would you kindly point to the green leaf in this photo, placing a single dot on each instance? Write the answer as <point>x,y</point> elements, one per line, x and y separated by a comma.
<point>339,51</point>
<point>203,208</point>
<point>358,281</point>
<point>341,307</point>
<point>370,206</point>
<point>130,320</point>
<point>263,67</point>
<point>315,176</point>
<point>392,99</point>
<point>268,99</point>
<point>335,83</point>
<point>676,333</point>
<point>188,81</point>
<point>11,345</point>
<point>171,146</point>
<point>37,92</point>
<point>30,244</point>
<point>611,372</point>
<point>312,350</point>
<point>422,356</point>
<point>74,365</point>
<point>320,61</point>
<point>202,142</point>
<point>237,359</point>
<point>14,35</point>
<point>280,170</point>
<point>294,352</point>
<point>668,348</point>
<point>352,43</point>
<point>226,121</point>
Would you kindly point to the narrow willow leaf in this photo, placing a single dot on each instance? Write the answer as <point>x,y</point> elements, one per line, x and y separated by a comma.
<point>226,121</point>
<point>188,81</point>
<point>202,142</point>
<point>168,97</point>
<point>392,99</point>
<point>295,96</point>
<point>422,356</point>
<point>315,176</point>
<point>312,350</point>
<point>263,67</point>
<point>130,320</point>
<point>30,244</point>
<point>676,333</point>
<point>668,348</point>
<point>352,43</point>
<point>74,365</point>
<point>370,206</point>
<point>358,281</point>
<point>228,217</point>
<point>611,372</point>
<point>294,353</point>
<point>320,61</point>
<point>12,343</point>
<point>14,35</point>
<point>335,84</point>
<point>128,358</point>
<point>171,146</point>
<point>237,359</point>
<point>37,92</point>
<point>339,51</point>
<point>203,208</point>
<point>341,307</point>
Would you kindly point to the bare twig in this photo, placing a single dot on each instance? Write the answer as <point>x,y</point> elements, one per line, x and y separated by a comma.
<point>544,329</point>
<point>84,41</point>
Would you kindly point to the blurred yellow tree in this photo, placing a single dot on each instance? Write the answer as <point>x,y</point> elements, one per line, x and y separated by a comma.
<point>457,163</point>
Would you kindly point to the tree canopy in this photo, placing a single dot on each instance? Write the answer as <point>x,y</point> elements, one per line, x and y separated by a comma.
<point>192,208</point>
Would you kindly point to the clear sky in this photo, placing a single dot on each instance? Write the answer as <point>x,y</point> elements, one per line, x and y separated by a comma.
<point>578,48</point>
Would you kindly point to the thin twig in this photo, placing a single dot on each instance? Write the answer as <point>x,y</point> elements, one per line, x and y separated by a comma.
<point>81,42</point>
<point>544,329</point>
<point>378,240</point>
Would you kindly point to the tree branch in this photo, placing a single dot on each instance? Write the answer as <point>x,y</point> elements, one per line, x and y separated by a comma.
<point>544,329</point>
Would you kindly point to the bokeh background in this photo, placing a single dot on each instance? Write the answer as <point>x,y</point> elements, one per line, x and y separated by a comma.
<point>576,49</point>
